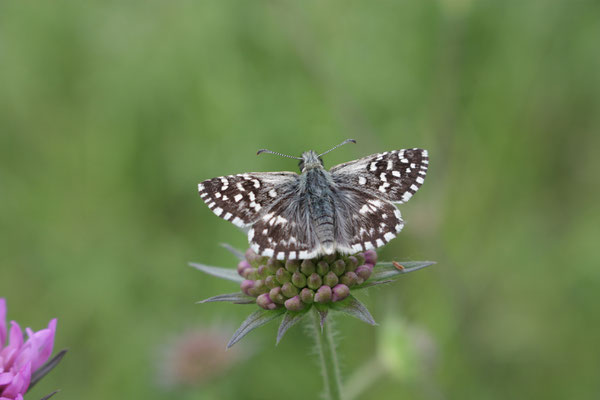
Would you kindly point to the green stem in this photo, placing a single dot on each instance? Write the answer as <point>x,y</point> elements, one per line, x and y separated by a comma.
<point>328,356</point>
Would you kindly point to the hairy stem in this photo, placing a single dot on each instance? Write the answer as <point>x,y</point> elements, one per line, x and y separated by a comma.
<point>329,362</point>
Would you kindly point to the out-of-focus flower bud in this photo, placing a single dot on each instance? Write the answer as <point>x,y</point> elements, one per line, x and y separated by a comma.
<point>262,271</point>
<point>273,265</point>
<point>294,304</point>
<point>265,302</point>
<point>349,279</point>
<point>330,279</point>
<point>271,282</point>
<point>340,292</point>
<point>289,290</point>
<point>292,265</point>
<point>246,286</point>
<point>283,276</point>
<point>370,257</point>
<point>299,279</point>
<point>307,296</point>
<point>242,266</point>
<point>322,268</point>
<point>338,267</point>
<point>314,281</point>
<point>364,271</point>
<point>307,267</point>
<point>351,263</point>
<point>276,295</point>
<point>360,258</point>
<point>323,295</point>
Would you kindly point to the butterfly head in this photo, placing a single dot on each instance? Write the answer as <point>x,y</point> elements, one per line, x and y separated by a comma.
<point>310,160</point>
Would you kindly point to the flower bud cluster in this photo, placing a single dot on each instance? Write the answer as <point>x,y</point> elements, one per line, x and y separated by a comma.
<point>296,284</point>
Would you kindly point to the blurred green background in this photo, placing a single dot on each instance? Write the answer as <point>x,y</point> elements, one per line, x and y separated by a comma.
<point>112,112</point>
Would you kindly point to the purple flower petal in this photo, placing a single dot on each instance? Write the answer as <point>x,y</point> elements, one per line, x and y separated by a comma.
<point>19,384</point>
<point>43,345</point>
<point>10,352</point>
<point>5,378</point>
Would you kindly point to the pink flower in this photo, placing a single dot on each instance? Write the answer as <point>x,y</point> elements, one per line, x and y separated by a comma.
<point>18,359</point>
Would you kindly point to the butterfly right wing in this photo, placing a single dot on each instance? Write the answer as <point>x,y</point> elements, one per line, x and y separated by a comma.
<point>395,175</point>
<point>242,199</point>
<point>364,221</point>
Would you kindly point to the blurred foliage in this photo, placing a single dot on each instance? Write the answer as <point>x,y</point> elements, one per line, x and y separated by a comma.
<point>112,112</point>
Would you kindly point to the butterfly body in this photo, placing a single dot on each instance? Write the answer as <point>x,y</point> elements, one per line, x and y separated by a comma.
<point>346,209</point>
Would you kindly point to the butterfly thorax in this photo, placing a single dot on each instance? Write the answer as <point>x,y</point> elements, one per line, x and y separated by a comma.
<point>316,184</point>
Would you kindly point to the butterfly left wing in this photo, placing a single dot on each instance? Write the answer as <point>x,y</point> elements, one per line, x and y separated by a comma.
<point>242,199</point>
<point>394,176</point>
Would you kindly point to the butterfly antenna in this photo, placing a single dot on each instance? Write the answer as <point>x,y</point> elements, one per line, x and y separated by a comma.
<point>341,144</point>
<point>274,152</point>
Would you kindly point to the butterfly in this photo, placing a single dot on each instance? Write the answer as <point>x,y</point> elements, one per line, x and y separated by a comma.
<point>348,209</point>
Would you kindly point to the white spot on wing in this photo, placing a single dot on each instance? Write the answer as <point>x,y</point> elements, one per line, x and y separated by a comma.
<point>251,234</point>
<point>237,197</point>
<point>268,252</point>
<point>272,193</point>
<point>267,216</point>
<point>379,242</point>
<point>362,180</point>
<point>420,180</point>
<point>238,222</point>
<point>218,211</point>
<point>389,236</point>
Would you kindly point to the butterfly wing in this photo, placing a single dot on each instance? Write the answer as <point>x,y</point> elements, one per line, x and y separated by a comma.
<point>364,221</point>
<point>394,176</point>
<point>242,199</point>
<point>286,231</point>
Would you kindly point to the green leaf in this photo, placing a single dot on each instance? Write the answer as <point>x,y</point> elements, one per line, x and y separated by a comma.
<point>354,308</point>
<point>237,253</point>
<point>44,369</point>
<point>224,273</point>
<point>254,320</point>
<point>236,298</point>
<point>290,319</point>
<point>46,397</point>
<point>387,272</point>
<point>323,311</point>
